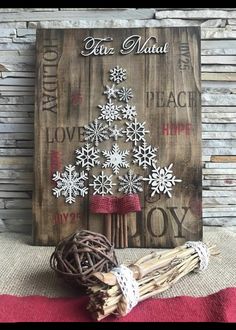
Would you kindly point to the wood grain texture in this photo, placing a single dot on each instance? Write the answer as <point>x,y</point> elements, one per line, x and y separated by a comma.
<point>167,98</point>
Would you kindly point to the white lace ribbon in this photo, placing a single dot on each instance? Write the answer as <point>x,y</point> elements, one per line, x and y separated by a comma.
<point>128,285</point>
<point>202,251</point>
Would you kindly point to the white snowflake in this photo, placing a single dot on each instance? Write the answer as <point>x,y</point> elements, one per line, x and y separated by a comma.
<point>129,112</point>
<point>162,180</point>
<point>135,131</point>
<point>102,184</point>
<point>131,183</point>
<point>115,132</point>
<point>70,184</point>
<point>111,91</point>
<point>117,74</point>
<point>115,158</point>
<point>96,132</point>
<point>145,155</point>
<point>109,112</point>
<point>125,94</point>
<point>87,156</point>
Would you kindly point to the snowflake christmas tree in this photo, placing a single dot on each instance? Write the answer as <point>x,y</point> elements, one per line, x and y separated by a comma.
<point>129,162</point>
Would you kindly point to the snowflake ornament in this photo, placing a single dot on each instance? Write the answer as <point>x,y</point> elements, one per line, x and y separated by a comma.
<point>130,183</point>
<point>162,180</point>
<point>109,112</point>
<point>96,132</point>
<point>111,91</point>
<point>117,74</point>
<point>125,94</point>
<point>145,155</point>
<point>70,184</point>
<point>129,112</point>
<point>115,132</point>
<point>87,156</point>
<point>115,158</point>
<point>135,131</point>
<point>102,184</point>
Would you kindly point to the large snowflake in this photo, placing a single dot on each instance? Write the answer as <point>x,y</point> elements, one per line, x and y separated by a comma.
<point>87,156</point>
<point>162,180</point>
<point>117,74</point>
<point>125,94</point>
<point>109,112</point>
<point>145,155</point>
<point>70,184</point>
<point>130,183</point>
<point>115,158</point>
<point>135,131</point>
<point>129,112</point>
<point>111,91</point>
<point>96,132</point>
<point>115,132</point>
<point>102,184</point>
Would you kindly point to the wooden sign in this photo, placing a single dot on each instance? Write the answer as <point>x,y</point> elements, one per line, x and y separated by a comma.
<point>118,111</point>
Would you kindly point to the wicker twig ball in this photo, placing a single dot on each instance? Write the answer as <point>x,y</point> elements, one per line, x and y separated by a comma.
<point>81,254</point>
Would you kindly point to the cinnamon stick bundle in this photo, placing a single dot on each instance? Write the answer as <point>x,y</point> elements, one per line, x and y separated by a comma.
<point>155,272</point>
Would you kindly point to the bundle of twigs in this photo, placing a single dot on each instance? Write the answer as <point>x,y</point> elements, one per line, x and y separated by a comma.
<point>154,273</point>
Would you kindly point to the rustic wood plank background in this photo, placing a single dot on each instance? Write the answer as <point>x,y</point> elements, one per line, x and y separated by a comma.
<point>164,221</point>
<point>17,82</point>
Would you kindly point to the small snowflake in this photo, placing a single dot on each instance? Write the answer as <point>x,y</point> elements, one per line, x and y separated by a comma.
<point>102,184</point>
<point>96,132</point>
<point>87,156</point>
<point>161,180</point>
<point>115,132</point>
<point>125,94</point>
<point>130,183</point>
<point>111,91</point>
<point>109,112</point>
<point>144,155</point>
<point>115,158</point>
<point>129,112</point>
<point>70,184</point>
<point>135,131</point>
<point>117,74</point>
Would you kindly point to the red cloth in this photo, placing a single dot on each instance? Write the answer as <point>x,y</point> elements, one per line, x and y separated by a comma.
<point>113,204</point>
<point>218,307</point>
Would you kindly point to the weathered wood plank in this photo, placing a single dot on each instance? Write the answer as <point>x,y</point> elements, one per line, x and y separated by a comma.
<point>15,174</point>
<point>220,177</point>
<point>141,70</point>
<point>223,159</point>
<point>7,32</point>
<point>10,114</point>
<point>219,171</point>
<point>218,51</point>
<point>16,152</point>
<point>17,136</point>
<point>218,213</point>
<point>218,200</point>
<point>17,74</point>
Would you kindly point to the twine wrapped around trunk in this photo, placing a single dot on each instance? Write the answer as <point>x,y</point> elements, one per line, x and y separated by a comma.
<point>150,275</point>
